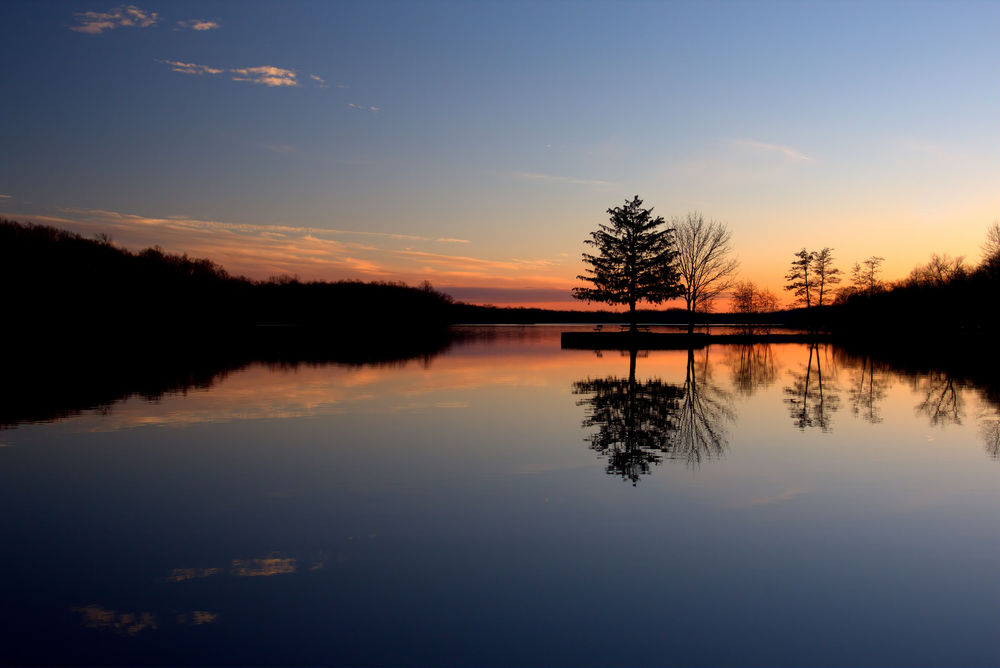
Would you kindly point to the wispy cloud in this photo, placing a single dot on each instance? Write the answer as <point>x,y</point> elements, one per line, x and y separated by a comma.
<point>191,68</point>
<point>551,178</point>
<point>363,107</point>
<point>789,153</point>
<point>266,75</point>
<point>199,24</point>
<point>320,81</point>
<point>451,240</point>
<point>5,196</point>
<point>124,16</point>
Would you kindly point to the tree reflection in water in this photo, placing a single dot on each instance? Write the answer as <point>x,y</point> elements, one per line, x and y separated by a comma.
<point>810,402</point>
<point>944,400</point>
<point>753,367</point>
<point>705,413</point>
<point>989,428</point>
<point>868,389</point>
<point>640,423</point>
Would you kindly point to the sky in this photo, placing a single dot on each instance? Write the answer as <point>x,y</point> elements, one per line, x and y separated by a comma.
<point>476,145</point>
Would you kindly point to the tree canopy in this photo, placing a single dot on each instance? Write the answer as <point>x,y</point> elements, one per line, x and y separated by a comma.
<point>634,260</point>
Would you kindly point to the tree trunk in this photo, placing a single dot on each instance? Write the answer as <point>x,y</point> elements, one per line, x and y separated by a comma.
<point>633,325</point>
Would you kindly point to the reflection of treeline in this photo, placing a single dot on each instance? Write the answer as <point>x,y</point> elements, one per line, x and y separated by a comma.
<point>965,366</point>
<point>56,278</point>
<point>44,382</point>
<point>941,376</point>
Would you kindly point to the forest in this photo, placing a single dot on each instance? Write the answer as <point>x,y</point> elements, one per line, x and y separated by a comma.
<point>59,282</point>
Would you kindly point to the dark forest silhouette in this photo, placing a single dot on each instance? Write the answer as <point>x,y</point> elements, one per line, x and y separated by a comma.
<point>56,280</point>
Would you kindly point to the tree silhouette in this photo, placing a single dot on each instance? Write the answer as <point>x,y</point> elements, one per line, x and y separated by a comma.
<point>800,278</point>
<point>991,247</point>
<point>749,300</point>
<point>825,275</point>
<point>939,270</point>
<point>634,261</point>
<point>865,275</point>
<point>704,262</point>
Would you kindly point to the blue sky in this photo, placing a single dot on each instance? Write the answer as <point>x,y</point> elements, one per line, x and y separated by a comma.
<point>477,144</point>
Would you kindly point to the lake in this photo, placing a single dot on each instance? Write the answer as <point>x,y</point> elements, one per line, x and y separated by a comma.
<point>501,501</point>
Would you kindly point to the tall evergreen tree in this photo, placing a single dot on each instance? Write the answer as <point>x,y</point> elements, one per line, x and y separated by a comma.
<point>800,277</point>
<point>635,260</point>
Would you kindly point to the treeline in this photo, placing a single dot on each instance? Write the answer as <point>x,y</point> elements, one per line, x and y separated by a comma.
<point>946,297</point>
<point>60,283</point>
<point>56,281</point>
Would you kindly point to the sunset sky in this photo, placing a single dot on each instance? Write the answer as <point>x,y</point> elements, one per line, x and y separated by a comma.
<point>476,144</point>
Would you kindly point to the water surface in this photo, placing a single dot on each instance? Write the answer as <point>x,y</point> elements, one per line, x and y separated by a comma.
<point>507,502</point>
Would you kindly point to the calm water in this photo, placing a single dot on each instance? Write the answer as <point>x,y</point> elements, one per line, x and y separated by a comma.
<point>507,502</point>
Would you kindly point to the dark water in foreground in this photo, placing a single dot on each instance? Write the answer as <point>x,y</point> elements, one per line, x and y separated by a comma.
<point>507,502</point>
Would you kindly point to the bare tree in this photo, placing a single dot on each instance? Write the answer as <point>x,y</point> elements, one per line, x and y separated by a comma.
<point>865,275</point>
<point>991,247</point>
<point>751,301</point>
<point>824,273</point>
<point>705,261</point>
<point>939,270</point>
<point>800,277</point>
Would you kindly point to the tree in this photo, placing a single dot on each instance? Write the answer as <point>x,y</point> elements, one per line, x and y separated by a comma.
<point>704,261</point>
<point>800,277</point>
<point>635,260</point>
<point>940,270</point>
<point>825,274</point>
<point>991,248</point>
<point>750,300</point>
<point>864,276</point>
